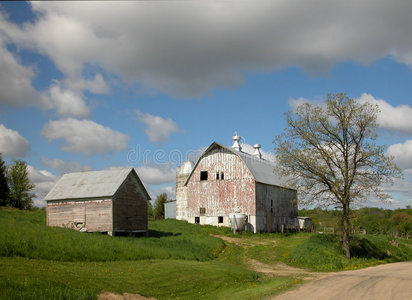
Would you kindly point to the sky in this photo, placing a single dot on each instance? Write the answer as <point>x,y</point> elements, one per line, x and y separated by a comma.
<point>148,84</point>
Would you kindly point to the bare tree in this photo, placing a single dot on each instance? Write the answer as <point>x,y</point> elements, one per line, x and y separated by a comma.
<point>329,155</point>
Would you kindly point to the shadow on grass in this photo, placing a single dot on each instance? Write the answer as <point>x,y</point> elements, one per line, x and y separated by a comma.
<point>362,247</point>
<point>159,234</point>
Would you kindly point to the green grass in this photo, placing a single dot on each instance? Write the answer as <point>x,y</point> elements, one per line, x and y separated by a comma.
<point>39,279</point>
<point>28,237</point>
<point>178,260</point>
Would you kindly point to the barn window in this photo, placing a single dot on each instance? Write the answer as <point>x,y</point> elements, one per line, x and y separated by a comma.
<point>217,176</point>
<point>220,219</point>
<point>203,175</point>
<point>222,175</point>
<point>202,211</point>
<point>197,220</point>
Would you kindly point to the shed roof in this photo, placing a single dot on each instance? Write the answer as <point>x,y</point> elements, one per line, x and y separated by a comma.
<point>93,184</point>
<point>262,170</point>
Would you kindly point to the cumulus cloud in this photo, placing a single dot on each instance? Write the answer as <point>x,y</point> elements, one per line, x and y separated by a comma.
<point>15,81</point>
<point>158,129</point>
<point>402,154</point>
<point>64,101</point>
<point>155,174</point>
<point>85,136</point>
<point>12,144</point>
<point>392,118</point>
<point>65,167</point>
<point>187,49</point>
<point>43,182</point>
<point>169,190</point>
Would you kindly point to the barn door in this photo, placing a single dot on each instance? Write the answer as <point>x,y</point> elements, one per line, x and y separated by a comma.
<point>269,222</point>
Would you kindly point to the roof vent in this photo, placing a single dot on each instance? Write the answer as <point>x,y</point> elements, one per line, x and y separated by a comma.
<point>257,151</point>
<point>236,144</point>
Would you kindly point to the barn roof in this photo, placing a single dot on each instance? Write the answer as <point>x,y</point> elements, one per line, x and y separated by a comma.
<point>93,184</point>
<point>262,170</point>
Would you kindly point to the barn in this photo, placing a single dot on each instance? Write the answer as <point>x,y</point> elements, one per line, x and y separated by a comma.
<point>109,201</point>
<point>226,180</point>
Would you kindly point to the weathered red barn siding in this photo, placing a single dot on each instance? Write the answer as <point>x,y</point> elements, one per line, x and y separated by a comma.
<point>96,215</point>
<point>221,197</point>
<point>130,207</point>
<point>99,215</point>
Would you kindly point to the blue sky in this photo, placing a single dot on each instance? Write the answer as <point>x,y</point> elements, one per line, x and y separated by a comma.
<point>96,85</point>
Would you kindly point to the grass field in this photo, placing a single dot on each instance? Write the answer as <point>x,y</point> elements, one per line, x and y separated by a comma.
<point>177,261</point>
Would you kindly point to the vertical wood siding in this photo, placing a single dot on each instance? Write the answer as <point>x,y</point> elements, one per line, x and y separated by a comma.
<point>94,215</point>
<point>284,207</point>
<point>221,197</point>
<point>130,207</point>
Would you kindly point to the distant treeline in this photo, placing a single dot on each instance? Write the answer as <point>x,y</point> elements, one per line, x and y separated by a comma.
<point>371,220</point>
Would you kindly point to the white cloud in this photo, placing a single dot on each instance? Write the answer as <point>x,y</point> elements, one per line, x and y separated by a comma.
<point>12,144</point>
<point>43,182</point>
<point>158,129</point>
<point>189,48</point>
<point>15,81</point>
<point>157,173</point>
<point>402,154</point>
<point>169,190</point>
<point>85,136</point>
<point>97,85</point>
<point>65,167</point>
<point>66,102</point>
<point>392,118</point>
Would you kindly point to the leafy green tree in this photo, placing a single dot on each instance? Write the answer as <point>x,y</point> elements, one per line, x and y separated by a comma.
<point>20,186</point>
<point>159,209</point>
<point>4,187</point>
<point>149,209</point>
<point>403,222</point>
<point>327,152</point>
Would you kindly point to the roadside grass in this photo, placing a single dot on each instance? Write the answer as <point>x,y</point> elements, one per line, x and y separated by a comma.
<point>162,279</point>
<point>323,252</point>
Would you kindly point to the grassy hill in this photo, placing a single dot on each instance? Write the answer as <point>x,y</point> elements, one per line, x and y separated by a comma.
<point>178,260</point>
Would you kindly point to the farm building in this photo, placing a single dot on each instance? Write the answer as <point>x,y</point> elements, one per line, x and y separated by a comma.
<point>111,201</point>
<point>225,180</point>
<point>170,209</point>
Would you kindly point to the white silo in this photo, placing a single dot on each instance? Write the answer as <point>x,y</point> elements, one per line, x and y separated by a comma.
<point>182,173</point>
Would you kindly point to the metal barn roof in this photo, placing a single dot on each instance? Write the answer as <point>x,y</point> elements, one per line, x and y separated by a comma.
<point>262,170</point>
<point>93,184</point>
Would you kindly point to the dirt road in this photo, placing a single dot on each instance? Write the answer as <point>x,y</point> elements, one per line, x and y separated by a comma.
<point>390,281</point>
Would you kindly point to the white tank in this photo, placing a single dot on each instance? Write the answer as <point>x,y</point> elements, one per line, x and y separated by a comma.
<point>237,221</point>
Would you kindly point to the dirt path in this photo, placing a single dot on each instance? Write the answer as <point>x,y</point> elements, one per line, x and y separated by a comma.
<point>390,281</point>
<point>125,296</point>
<point>278,269</point>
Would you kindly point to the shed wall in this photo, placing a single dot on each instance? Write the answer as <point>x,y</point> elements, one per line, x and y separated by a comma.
<point>130,207</point>
<point>170,210</point>
<point>93,215</point>
<point>274,206</point>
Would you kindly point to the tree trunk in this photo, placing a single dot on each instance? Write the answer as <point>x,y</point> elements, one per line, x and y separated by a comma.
<point>345,220</point>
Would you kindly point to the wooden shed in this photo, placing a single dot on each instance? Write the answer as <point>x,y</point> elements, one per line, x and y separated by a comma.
<point>110,201</point>
<point>227,180</point>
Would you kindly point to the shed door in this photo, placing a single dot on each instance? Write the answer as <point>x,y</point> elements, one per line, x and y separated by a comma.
<point>79,215</point>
